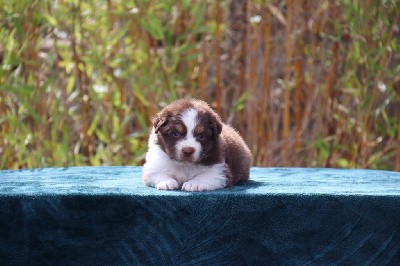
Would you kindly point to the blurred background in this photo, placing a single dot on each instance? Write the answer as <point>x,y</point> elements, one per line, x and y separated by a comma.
<point>307,83</point>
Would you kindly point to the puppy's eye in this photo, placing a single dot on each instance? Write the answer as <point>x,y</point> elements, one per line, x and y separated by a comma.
<point>200,137</point>
<point>176,134</point>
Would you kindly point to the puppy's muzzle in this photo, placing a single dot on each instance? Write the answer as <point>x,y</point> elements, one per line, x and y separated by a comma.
<point>187,152</point>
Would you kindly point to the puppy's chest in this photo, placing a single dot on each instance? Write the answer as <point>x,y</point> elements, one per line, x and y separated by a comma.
<point>183,172</point>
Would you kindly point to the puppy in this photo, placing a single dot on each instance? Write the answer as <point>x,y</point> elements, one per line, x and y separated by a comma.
<point>191,149</point>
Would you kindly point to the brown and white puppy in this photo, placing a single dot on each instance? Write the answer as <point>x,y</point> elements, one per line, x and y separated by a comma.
<point>191,149</point>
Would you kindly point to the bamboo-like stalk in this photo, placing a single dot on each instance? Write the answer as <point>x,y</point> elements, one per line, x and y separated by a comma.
<point>202,62</point>
<point>111,17</point>
<point>152,58</point>
<point>83,89</point>
<point>192,70</point>
<point>286,91</point>
<point>252,109</point>
<point>193,67</point>
<point>298,70</point>
<point>179,26</point>
<point>31,69</point>
<point>243,63</point>
<point>361,150</point>
<point>299,83</point>
<point>321,16</point>
<point>235,67</point>
<point>218,88</point>
<point>184,68</point>
<point>312,33</point>
<point>329,94</point>
<point>119,83</point>
<point>5,129</point>
<point>265,132</point>
<point>202,69</point>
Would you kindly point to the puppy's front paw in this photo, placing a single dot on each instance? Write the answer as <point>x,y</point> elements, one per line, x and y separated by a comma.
<point>170,184</point>
<point>193,185</point>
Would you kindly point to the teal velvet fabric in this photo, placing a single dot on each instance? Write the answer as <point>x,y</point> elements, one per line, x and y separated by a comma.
<point>106,216</point>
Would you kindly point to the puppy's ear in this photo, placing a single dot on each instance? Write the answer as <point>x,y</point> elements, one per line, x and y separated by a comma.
<point>215,123</point>
<point>159,121</point>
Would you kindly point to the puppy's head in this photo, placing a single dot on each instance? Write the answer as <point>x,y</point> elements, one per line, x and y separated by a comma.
<point>188,131</point>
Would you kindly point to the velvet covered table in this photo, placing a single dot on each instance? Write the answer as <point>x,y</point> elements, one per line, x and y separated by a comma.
<point>105,216</point>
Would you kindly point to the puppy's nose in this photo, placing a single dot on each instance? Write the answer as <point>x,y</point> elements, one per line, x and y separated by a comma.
<point>187,151</point>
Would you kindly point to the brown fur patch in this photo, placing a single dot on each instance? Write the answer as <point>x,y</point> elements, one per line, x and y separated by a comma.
<point>199,130</point>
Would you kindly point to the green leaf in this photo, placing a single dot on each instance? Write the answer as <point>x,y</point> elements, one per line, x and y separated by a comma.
<point>153,25</point>
<point>116,124</point>
<point>191,57</point>
<point>34,114</point>
<point>53,22</point>
<point>142,122</point>
<point>70,84</point>
<point>139,94</point>
<point>16,20</point>
<point>343,163</point>
<point>94,123</point>
<point>103,137</point>
<point>240,103</point>
<point>198,12</point>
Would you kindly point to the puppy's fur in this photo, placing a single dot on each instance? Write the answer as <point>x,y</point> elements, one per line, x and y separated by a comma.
<point>191,149</point>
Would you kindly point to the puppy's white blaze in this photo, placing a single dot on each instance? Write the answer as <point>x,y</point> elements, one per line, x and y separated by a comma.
<point>189,118</point>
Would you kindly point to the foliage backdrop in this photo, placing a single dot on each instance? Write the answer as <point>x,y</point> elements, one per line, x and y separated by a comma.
<point>307,83</point>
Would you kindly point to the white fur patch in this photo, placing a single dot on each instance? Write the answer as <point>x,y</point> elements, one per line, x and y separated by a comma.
<point>213,178</point>
<point>167,184</point>
<point>189,118</point>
